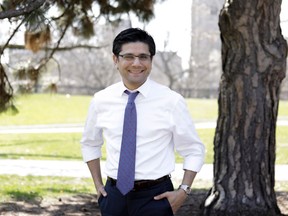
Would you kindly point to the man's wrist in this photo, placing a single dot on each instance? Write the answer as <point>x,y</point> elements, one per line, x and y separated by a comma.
<point>185,188</point>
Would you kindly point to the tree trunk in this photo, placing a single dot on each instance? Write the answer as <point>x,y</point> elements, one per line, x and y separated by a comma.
<point>254,64</point>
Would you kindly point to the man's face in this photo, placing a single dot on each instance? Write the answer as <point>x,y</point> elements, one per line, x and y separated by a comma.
<point>134,70</point>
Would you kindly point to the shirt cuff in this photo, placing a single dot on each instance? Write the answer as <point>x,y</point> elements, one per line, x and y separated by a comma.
<point>90,153</point>
<point>193,163</point>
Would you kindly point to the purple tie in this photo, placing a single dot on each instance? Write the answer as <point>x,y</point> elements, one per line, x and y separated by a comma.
<point>126,169</point>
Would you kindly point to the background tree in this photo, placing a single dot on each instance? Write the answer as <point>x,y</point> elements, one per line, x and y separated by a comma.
<point>47,21</point>
<point>169,63</point>
<point>254,63</point>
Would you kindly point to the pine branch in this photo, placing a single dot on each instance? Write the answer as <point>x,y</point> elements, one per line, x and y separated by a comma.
<point>32,5</point>
<point>2,48</point>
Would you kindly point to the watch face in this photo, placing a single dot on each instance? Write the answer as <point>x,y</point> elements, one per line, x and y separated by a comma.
<point>186,188</point>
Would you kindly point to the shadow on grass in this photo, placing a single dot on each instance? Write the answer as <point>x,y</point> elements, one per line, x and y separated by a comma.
<point>82,204</point>
<point>32,197</point>
<point>35,197</point>
<point>86,204</point>
<point>193,204</point>
<point>64,191</point>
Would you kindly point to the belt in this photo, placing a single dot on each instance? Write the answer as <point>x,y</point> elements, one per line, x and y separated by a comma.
<point>142,184</point>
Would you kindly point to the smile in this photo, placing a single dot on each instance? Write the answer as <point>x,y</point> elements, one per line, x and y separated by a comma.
<point>136,72</point>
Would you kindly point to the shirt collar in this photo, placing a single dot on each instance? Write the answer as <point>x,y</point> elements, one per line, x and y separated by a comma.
<point>143,89</point>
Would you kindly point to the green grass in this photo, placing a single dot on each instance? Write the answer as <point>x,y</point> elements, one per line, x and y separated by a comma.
<point>67,146</point>
<point>34,188</point>
<point>40,146</point>
<point>47,109</point>
<point>59,109</point>
<point>283,109</point>
<point>203,109</point>
<point>282,145</point>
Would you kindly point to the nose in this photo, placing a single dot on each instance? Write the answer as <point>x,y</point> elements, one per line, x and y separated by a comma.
<point>136,60</point>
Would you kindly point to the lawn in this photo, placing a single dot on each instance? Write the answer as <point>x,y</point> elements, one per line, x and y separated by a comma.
<point>66,146</point>
<point>41,146</point>
<point>33,188</point>
<point>60,109</point>
<point>47,109</point>
<point>36,188</point>
<point>65,109</point>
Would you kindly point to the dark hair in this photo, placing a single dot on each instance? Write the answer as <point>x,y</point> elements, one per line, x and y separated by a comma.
<point>133,35</point>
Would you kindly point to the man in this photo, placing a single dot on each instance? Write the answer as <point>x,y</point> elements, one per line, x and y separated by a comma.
<point>160,124</point>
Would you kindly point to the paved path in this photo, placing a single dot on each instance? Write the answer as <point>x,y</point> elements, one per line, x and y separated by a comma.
<point>78,128</point>
<point>68,128</point>
<point>80,169</point>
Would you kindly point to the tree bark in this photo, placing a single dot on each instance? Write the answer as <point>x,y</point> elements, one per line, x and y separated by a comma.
<point>254,64</point>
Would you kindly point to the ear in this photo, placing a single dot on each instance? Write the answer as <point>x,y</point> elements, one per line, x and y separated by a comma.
<point>115,59</point>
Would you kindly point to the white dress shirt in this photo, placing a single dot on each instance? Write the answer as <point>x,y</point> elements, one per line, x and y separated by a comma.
<point>163,124</point>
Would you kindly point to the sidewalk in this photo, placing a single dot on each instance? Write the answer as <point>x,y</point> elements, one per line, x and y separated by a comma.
<point>69,128</point>
<point>78,128</point>
<point>80,169</point>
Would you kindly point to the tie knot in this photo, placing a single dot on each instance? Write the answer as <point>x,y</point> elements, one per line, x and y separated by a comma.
<point>132,96</point>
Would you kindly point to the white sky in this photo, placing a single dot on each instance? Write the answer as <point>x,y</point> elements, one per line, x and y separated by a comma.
<point>284,17</point>
<point>172,22</point>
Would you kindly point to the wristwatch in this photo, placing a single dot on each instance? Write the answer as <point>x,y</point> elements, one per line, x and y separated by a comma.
<point>186,188</point>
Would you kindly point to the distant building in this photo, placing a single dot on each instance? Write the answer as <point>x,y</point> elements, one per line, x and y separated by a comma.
<point>205,58</point>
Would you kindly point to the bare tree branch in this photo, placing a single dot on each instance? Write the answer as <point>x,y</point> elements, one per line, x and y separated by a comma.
<point>2,48</point>
<point>45,60</point>
<point>64,48</point>
<point>33,5</point>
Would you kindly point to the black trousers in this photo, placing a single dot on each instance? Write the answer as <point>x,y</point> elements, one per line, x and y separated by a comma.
<point>136,203</point>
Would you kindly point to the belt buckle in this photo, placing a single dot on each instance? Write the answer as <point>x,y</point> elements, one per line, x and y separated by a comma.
<point>140,185</point>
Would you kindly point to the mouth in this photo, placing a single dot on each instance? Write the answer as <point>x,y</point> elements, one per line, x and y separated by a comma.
<point>136,71</point>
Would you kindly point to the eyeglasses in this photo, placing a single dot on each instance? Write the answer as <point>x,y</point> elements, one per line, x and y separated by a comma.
<point>131,57</point>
